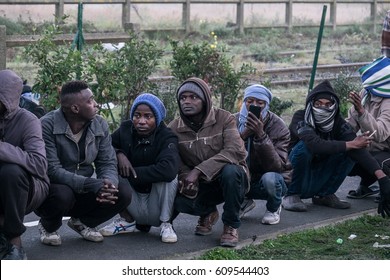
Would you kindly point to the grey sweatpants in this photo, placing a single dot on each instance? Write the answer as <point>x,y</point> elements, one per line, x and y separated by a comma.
<point>154,207</point>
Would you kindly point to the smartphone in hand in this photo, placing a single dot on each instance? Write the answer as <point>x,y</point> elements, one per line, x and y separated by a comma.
<point>256,110</point>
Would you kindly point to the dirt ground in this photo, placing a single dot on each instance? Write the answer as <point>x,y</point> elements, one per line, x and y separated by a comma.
<point>157,14</point>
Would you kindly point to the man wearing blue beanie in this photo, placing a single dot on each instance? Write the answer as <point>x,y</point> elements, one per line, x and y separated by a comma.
<point>148,161</point>
<point>266,139</point>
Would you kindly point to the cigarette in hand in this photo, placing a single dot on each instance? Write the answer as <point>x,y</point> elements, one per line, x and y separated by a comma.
<point>372,134</point>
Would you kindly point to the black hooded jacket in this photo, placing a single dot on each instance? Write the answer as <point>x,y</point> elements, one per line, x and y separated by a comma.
<point>330,143</point>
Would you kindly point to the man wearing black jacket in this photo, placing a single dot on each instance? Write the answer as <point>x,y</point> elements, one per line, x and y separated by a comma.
<point>323,150</point>
<point>148,158</point>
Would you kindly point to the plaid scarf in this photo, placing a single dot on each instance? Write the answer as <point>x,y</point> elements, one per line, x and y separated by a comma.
<point>386,35</point>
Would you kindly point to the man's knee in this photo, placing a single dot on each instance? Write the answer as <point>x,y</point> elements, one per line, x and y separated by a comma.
<point>273,183</point>
<point>124,193</point>
<point>11,171</point>
<point>14,174</point>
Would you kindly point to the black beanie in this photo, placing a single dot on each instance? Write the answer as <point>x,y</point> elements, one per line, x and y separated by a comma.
<point>323,90</point>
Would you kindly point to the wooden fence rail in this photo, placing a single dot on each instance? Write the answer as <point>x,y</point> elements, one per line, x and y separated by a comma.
<point>12,41</point>
<point>240,4</point>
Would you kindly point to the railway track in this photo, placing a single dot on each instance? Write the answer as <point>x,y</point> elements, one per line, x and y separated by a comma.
<point>295,75</point>
<point>301,75</point>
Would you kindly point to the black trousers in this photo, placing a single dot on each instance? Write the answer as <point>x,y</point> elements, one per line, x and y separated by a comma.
<point>15,192</point>
<point>367,179</point>
<point>63,201</point>
<point>229,187</point>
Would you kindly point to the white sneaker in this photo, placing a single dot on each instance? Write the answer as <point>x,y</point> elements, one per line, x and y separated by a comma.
<point>90,234</point>
<point>118,226</point>
<point>271,218</point>
<point>49,238</point>
<point>167,233</point>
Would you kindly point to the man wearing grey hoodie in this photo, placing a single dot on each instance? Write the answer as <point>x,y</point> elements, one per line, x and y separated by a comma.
<point>23,166</point>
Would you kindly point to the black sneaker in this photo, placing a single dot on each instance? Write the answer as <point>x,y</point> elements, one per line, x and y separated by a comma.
<point>331,201</point>
<point>16,253</point>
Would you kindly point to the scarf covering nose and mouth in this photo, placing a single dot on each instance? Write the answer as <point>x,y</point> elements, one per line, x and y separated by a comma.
<point>376,77</point>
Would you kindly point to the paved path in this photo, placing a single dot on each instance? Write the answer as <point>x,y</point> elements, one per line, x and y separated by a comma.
<point>141,246</point>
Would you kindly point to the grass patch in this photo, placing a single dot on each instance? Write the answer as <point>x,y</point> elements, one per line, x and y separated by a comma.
<point>318,244</point>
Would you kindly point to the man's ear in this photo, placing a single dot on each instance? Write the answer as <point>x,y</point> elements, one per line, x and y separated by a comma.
<point>74,108</point>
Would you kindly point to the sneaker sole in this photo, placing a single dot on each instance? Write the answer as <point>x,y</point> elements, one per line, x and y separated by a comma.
<point>109,233</point>
<point>228,244</point>
<point>295,209</point>
<point>270,223</point>
<point>203,233</point>
<point>52,242</point>
<point>169,240</point>
<point>92,239</point>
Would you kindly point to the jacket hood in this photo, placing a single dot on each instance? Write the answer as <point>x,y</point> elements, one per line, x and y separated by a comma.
<point>207,94</point>
<point>323,87</point>
<point>11,86</point>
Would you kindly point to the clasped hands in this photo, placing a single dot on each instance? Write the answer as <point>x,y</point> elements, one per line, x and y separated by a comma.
<point>108,194</point>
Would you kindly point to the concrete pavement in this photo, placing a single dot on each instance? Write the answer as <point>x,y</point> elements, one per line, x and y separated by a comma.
<point>145,246</point>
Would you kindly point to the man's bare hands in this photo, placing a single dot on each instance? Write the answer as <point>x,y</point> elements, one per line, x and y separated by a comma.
<point>360,142</point>
<point>356,101</point>
<point>108,193</point>
<point>254,126</point>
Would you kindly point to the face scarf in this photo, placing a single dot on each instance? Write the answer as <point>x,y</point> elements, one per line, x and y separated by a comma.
<point>257,91</point>
<point>376,77</point>
<point>321,118</point>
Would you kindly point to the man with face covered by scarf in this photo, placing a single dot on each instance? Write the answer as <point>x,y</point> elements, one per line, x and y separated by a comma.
<point>266,139</point>
<point>323,150</point>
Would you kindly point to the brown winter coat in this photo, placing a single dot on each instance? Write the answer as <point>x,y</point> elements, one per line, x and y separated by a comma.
<point>216,143</point>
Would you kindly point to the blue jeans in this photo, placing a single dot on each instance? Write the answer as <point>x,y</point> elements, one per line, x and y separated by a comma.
<point>270,187</point>
<point>229,187</point>
<point>317,175</point>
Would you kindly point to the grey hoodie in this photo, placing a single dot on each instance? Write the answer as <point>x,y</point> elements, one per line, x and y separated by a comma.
<point>21,140</point>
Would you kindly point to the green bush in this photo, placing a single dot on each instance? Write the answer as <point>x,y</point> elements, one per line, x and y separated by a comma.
<point>343,85</point>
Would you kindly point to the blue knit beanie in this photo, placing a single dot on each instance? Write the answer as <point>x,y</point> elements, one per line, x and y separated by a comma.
<point>153,102</point>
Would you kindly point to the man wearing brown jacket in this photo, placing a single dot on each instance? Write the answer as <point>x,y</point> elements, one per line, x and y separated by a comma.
<point>213,168</point>
<point>266,139</point>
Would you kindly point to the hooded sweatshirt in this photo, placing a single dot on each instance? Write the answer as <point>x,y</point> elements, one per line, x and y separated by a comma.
<point>21,138</point>
<point>334,142</point>
<point>213,143</point>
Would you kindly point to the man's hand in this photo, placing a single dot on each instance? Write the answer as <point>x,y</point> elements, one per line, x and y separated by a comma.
<point>360,142</point>
<point>125,167</point>
<point>255,125</point>
<point>108,193</point>
<point>356,101</point>
<point>188,184</point>
<point>384,203</point>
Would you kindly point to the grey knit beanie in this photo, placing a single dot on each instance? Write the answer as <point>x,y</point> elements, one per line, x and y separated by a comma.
<point>191,87</point>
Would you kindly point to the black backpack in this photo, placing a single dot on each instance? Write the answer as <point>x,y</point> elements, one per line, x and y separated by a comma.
<point>37,110</point>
